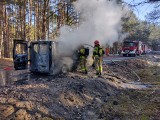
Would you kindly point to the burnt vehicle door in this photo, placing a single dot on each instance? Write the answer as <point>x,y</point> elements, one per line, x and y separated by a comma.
<point>40,56</point>
<point>20,54</point>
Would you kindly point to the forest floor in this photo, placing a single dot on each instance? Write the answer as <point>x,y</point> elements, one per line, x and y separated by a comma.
<point>117,95</point>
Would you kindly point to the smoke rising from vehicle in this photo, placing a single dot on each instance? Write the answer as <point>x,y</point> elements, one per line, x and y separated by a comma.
<point>99,20</point>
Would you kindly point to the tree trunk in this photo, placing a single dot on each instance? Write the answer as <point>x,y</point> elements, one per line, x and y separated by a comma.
<point>1,40</point>
<point>24,20</point>
<point>5,33</point>
<point>44,18</point>
<point>37,20</point>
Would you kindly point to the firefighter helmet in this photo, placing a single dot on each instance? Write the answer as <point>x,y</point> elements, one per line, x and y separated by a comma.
<point>96,42</point>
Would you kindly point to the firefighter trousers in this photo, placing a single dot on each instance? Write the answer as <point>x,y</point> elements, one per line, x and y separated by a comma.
<point>98,64</point>
<point>83,64</point>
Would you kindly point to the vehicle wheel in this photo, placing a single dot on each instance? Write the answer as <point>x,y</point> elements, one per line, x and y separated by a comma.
<point>64,69</point>
<point>124,55</point>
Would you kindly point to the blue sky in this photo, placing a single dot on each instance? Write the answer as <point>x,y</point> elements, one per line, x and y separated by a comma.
<point>141,10</point>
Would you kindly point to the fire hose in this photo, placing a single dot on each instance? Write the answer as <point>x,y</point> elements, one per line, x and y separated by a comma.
<point>89,45</point>
<point>113,74</point>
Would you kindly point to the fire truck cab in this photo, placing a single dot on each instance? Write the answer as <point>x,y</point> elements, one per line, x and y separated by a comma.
<point>43,57</point>
<point>132,48</point>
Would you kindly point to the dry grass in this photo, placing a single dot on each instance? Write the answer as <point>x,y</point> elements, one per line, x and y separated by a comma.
<point>6,61</point>
<point>150,74</point>
<point>133,105</point>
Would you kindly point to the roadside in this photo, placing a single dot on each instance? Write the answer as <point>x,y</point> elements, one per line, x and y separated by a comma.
<point>88,97</point>
<point>4,62</point>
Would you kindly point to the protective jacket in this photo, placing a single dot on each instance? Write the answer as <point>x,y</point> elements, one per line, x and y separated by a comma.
<point>82,53</point>
<point>98,51</point>
<point>83,60</point>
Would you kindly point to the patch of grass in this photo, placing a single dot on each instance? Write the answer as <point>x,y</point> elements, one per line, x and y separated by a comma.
<point>145,73</point>
<point>144,117</point>
<point>6,61</point>
<point>132,104</point>
<point>150,74</point>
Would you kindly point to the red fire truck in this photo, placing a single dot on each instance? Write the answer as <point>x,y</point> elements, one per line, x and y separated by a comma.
<point>132,48</point>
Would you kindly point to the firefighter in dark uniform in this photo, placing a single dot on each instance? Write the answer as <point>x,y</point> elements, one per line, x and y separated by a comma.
<point>83,59</point>
<point>98,53</point>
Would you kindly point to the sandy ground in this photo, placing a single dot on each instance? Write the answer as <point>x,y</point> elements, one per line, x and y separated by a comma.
<point>5,62</point>
<point>117,95</point>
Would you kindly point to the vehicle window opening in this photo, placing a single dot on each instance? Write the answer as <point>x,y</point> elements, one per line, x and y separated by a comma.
<point>21,49</point>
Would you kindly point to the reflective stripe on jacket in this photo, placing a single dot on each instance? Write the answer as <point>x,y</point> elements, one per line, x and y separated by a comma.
<point>82,53</point>
<point>98,51</point>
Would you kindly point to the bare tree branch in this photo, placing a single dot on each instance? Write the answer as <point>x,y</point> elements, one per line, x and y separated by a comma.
<point>132,4</point>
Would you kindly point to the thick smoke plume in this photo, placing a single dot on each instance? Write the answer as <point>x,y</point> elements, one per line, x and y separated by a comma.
<point>99,20</point>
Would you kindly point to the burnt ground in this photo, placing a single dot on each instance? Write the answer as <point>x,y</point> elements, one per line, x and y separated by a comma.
<point>117,95</point>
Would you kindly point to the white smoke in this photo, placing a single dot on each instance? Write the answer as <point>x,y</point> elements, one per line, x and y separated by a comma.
<point>99,20</point>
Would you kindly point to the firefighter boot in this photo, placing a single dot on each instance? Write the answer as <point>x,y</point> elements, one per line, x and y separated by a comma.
<point>97,73</point>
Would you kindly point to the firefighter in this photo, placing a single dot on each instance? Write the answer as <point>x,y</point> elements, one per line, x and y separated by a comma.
<point>83,59</point>
<point>107,51</point>
<point>98,53</point>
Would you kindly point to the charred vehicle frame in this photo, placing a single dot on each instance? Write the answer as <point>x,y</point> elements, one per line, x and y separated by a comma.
<point>43,56</point>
